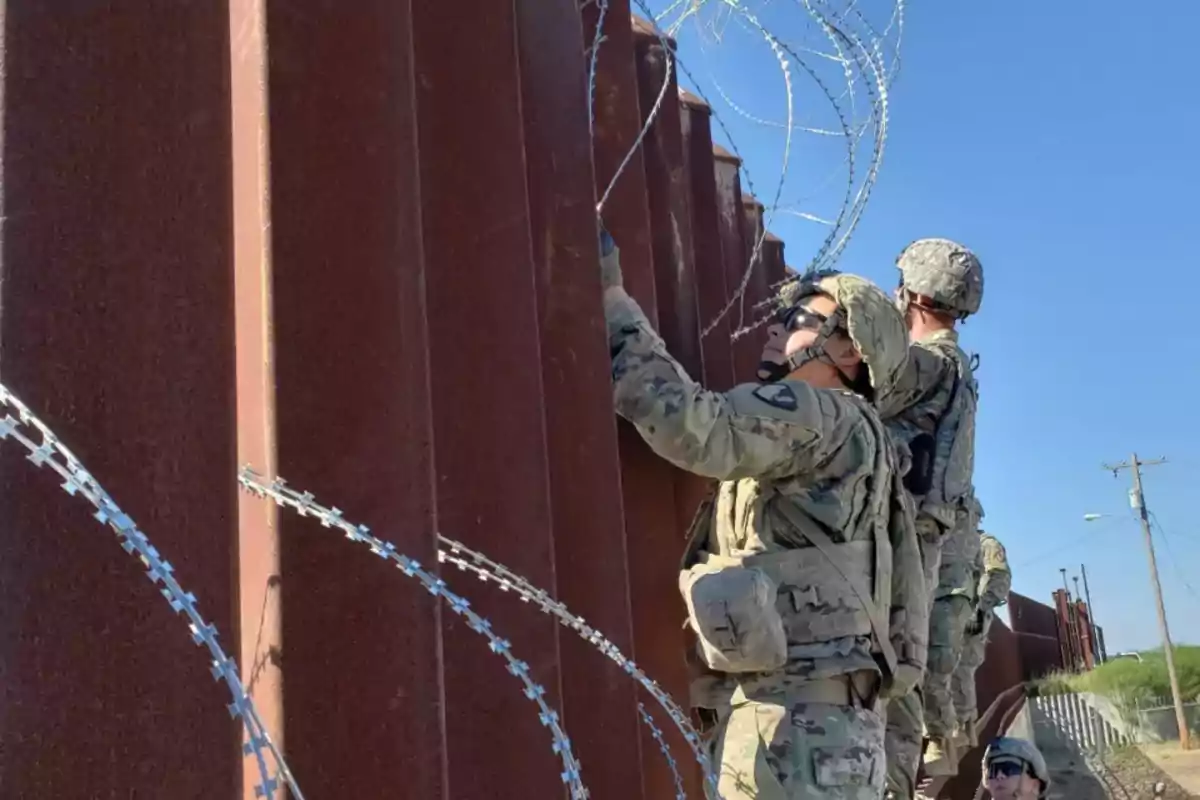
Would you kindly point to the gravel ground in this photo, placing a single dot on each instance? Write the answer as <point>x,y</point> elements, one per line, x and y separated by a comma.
<point>1124,774</point>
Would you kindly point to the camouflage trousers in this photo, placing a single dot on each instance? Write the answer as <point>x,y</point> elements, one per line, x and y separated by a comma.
<point>903,742</point>
<point>962,686</point>
<point>906,715</point>
<point>947,628</point>
<point>800,751</point>
<point>929,537</point>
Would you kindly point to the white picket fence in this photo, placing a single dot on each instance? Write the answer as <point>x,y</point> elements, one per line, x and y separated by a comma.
<point>1083,722</point>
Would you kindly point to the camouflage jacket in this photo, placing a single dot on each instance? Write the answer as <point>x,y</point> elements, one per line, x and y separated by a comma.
<point>936,396</point>
<point>997,578</point>
<point>787,442</point>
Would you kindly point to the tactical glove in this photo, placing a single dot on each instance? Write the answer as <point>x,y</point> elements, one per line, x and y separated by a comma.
<point>610,261</point>
<point>906,678</point>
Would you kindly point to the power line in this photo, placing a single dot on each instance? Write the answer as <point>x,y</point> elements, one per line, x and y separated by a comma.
<point>1075,540</point>
<point>1162,532</point>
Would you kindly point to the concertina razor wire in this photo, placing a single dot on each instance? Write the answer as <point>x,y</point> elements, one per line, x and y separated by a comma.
<point>858,49</point>
<point>45,449</point>
<point>487,570</point>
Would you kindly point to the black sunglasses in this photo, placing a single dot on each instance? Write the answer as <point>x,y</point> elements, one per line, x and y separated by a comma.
<point>1006,769</point>
<point>796,318</point>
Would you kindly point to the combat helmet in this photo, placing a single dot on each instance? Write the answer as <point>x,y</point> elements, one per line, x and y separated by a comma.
<point>865,314</point>
<point>1008,748</point>
<point>943,271</point>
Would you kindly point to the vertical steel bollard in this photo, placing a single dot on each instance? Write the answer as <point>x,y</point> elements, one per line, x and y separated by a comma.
<point>758,288</point>
<point>258,521</point>
<point>490,458</point>
<point>360,641</point>
<point>674,285</point>
<point>709,258</point>
<point>584,465</point>
<point>774,270</point>
<point>118,330</point>
<point>731,228</point>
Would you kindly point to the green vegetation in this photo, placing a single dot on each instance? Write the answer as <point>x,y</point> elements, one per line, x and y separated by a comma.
<point>1128,681</point>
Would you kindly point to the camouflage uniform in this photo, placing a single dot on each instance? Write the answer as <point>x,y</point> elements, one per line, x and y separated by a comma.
<point>994,586</point>
<point>954,604</point>
<point>935,398</point>
<point>1034,782</point>
<point>806,551</point>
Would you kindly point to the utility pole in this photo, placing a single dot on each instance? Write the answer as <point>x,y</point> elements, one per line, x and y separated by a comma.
<point>1138,500</point>
<point>1087,594</point>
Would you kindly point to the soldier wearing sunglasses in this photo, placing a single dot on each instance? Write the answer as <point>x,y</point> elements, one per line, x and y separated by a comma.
<point>1013,769</point>
<point>802,577</point>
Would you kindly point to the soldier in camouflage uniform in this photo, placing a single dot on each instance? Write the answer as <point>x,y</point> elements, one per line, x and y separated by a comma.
<point>931,414</point>
<point>994,586</point>
<point>954,604</point>
<point>802,577</point>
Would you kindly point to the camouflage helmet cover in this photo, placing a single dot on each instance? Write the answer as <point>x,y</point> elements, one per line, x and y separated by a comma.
<point>873,322</point>
<point>945,272</point>
<point>1011,748</point>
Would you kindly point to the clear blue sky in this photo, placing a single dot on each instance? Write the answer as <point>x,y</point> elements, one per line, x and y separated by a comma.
<point>1058,140</point>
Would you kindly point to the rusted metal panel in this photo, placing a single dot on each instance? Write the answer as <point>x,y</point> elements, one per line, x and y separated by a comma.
<point>362,684</point>
<point>1035,626</point>
<point>1066,630</point>
<point>671,240</point>
<point>651,525</point>
<point>711,296</point>
<point>491,479</point>
<point>666,184</point>
<point>117,326</point>
<point>731,227</point>
<point>258,543</point>
<point>758,287</point>
<point>773,265</point>
<point>585,489</point>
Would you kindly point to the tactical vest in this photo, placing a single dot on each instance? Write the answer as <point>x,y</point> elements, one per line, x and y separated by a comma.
<point>954,445</point>
<point>748,608</point>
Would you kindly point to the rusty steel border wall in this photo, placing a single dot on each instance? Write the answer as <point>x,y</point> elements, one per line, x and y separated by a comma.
<point>353,244</point>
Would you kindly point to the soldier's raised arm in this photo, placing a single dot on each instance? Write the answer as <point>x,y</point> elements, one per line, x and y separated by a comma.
<point>925,374</point>
<point>753,430</point>
<point>996,581</point>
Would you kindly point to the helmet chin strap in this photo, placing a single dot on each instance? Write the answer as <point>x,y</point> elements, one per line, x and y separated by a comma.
<point>772,371</point>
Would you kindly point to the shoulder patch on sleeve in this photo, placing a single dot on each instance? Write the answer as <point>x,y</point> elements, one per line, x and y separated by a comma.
<point>777,395</point>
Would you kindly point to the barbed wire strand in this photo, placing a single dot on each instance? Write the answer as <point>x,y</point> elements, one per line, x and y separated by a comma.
<point>306,505</point>
<point>854,136</point>
<point>77,481</point>
<point>669,57</point>
<point>648,721</point>
<point>486,569</point>
<point>594,61</point>
<point>878,92</point>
